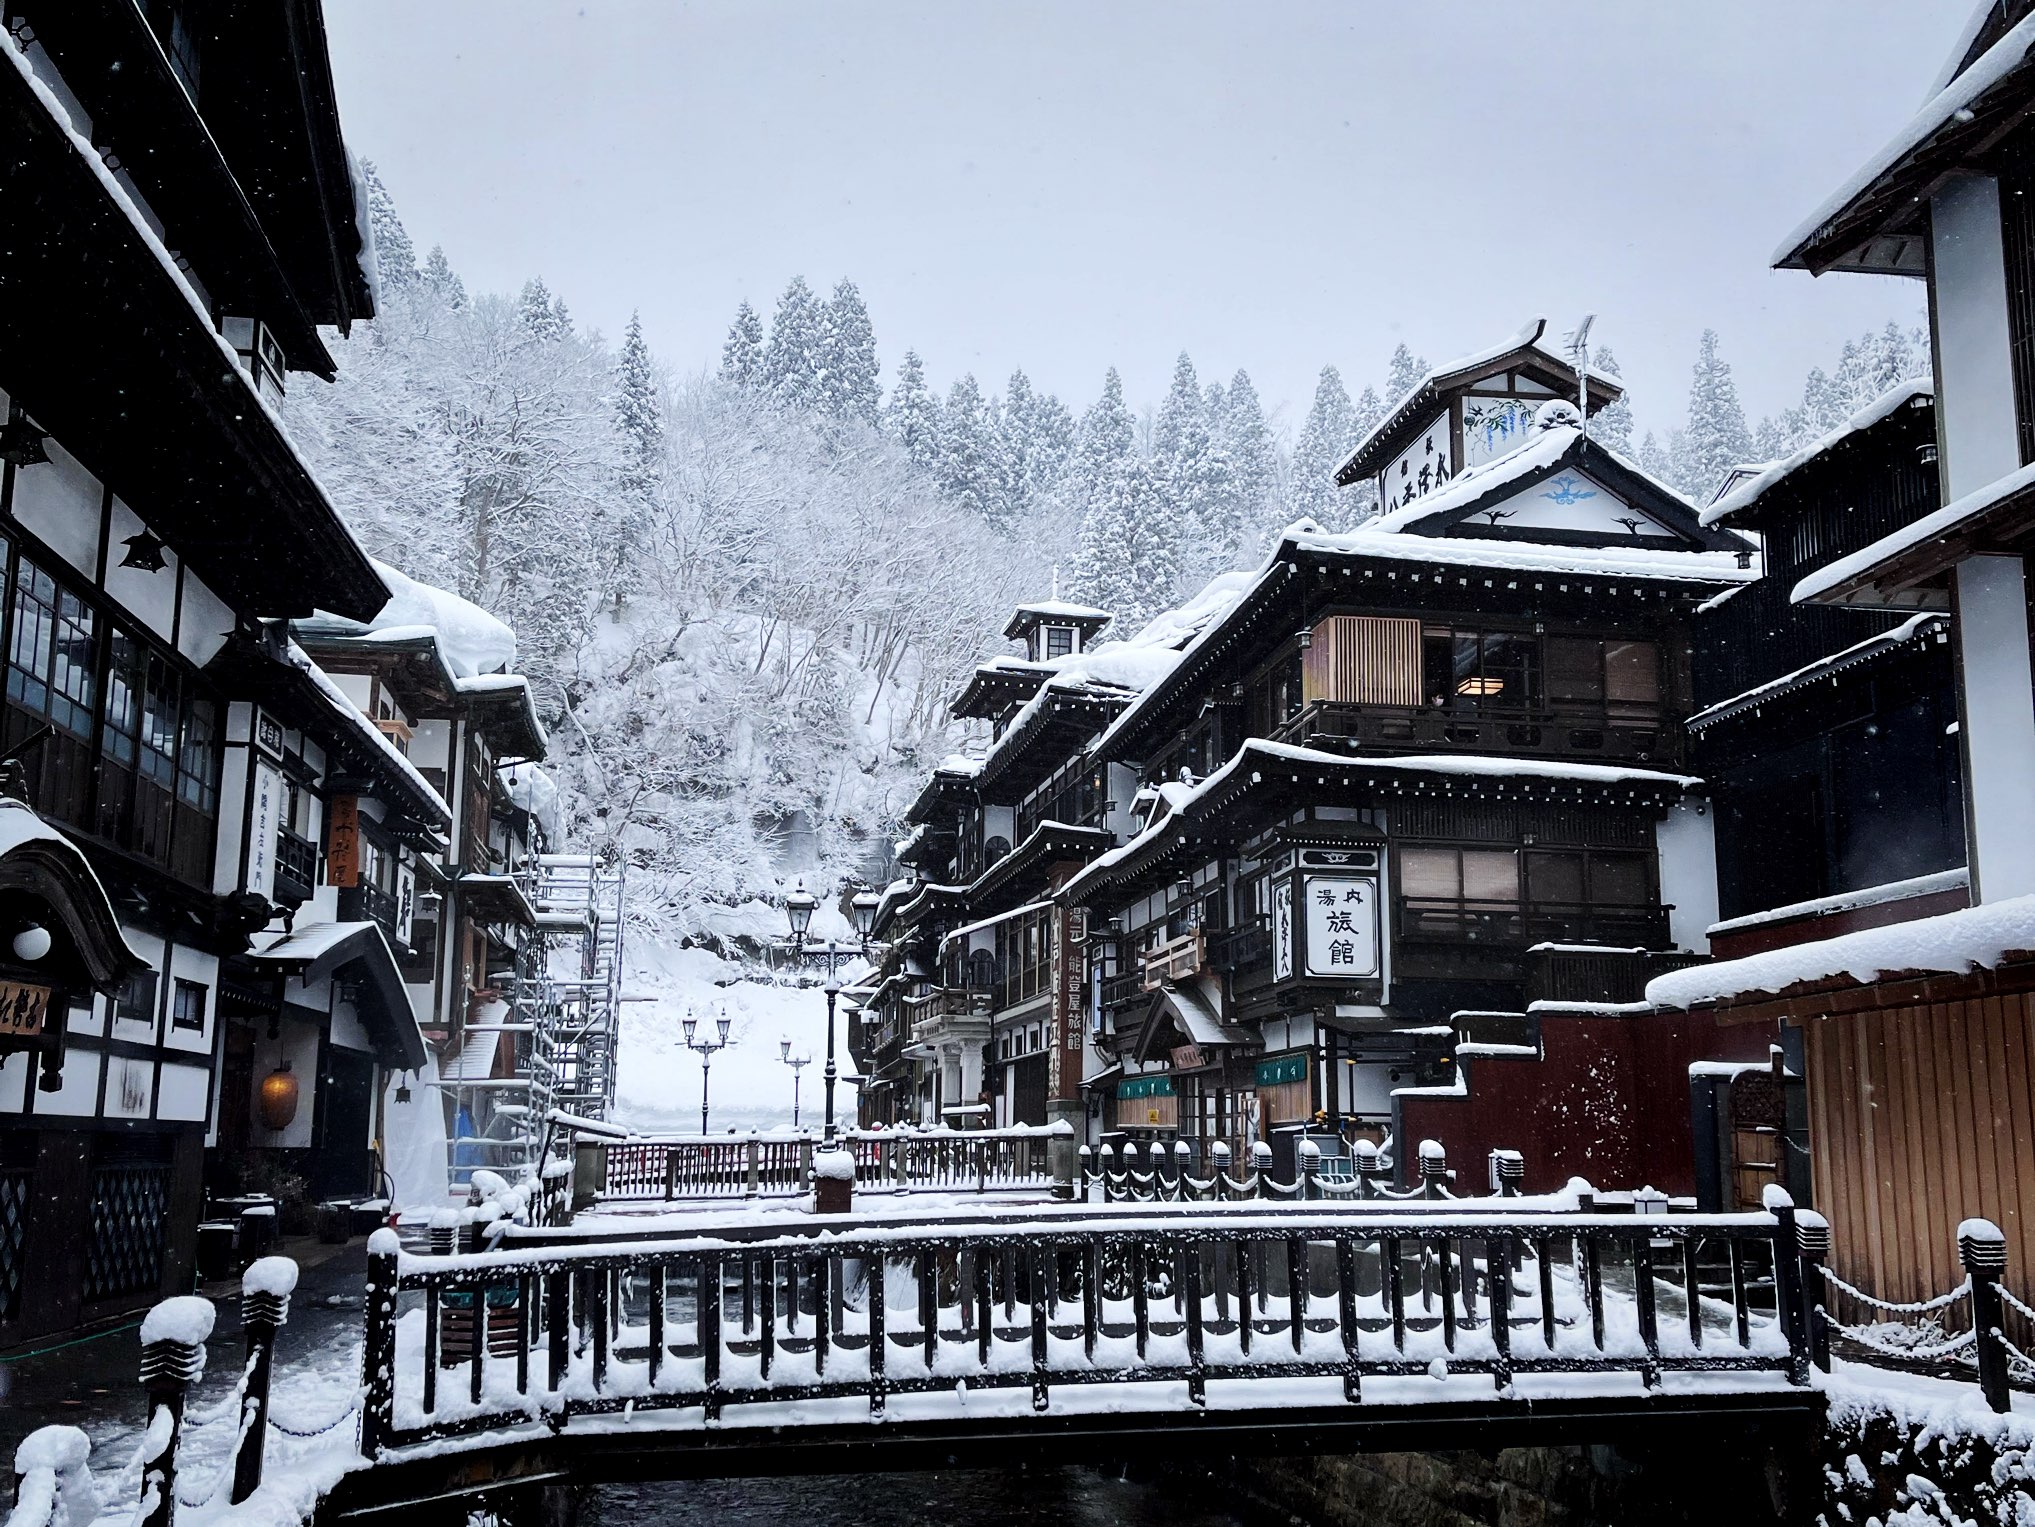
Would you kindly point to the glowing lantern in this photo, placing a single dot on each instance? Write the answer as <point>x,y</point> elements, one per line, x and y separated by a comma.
<point>279,1097</point>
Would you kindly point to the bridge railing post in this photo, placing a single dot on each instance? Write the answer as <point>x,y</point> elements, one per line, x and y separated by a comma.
<point>1508,1172</point>
<point>1261,1167</point>
<point>265,1290</point>
<point>64,1455</point>
<point>1182,1162</point>
<point>378,1346</point>
<point>1308,1156</point>
<point>1983,1249</point>
<point>1789,1292</point>
<point>1434,1170</point>
<point>173,1338</point>
<point>752,1166</point>
<point>1812,1242</point>
<point>1218,1168</point>
<point>1364,1156</point>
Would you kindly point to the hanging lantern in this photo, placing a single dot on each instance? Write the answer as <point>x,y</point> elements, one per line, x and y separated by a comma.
<point>279,1098</point>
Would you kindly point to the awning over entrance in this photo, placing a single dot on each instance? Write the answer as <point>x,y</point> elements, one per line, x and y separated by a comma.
<point>1186,1013</point>
<point>357,952</point>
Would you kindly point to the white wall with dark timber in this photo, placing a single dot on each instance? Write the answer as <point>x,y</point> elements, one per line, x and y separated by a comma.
<point>1998,724</point>
<point>1686,840</point>
<point>1974,366</point>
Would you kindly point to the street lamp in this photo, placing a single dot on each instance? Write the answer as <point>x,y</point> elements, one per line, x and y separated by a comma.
<point>799,906</point>
<point>797,1063</point>
<point>865,904</point>
<point>705,1049</point>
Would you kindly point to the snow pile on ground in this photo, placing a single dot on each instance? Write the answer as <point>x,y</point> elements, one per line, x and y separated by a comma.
<point>473,641</point>
<point>1976,938</point>
<point>658,1080</point>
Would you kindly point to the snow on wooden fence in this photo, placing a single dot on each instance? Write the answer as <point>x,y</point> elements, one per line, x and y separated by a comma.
<point>1075,1296</point>
<point>758,1164</point>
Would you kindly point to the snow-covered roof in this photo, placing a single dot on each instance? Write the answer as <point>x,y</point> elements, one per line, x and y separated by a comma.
<point>473,641</point>
<point>1829,667</point>
<point>1543,448</point>
<point>1648,562</point>
<point>1527,339</point>
<point>373,737</point>
<point>475,1061</point>
<point>1257,753</point>
<point>1976,938</point>
<point>533,790</point>
<point>1752,489</point>
<point>1952,105</point>
<point>1847,901</point>
<point>1942,525</point>
<point>1177,627</point>
<point>990,922</point>
<point>1065,609</point>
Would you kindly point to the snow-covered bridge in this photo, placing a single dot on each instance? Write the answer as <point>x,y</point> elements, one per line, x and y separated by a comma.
<point>921,1340</point>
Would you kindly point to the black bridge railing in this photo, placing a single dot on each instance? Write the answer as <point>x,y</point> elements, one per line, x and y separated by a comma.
<point>1119,1296</point>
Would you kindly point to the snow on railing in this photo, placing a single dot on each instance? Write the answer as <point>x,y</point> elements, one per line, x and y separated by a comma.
<point>780,1162</point>
<point>1053,1296</point>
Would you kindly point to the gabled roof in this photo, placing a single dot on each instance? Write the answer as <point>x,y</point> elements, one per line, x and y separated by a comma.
<point>1406,418</point>
<point>1450,511</point>
<point>1057,612</point>
<point>1745,495</point>
<point>1874,221</point>
<point>327,949</point>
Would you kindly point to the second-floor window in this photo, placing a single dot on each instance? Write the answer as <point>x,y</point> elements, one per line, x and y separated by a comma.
<point>52,655</point>
<point>1481,670</point>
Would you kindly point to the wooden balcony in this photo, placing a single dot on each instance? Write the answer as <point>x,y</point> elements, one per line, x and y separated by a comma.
<point>1630,735</point>
<point>1178,959</point>
<point>948,1012</point>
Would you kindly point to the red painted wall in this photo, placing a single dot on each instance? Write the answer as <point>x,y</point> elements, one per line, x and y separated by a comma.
<point>1608,1101</point>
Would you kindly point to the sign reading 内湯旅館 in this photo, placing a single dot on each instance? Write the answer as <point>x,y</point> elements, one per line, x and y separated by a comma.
<point>1281,1069</point>
<point>1341,925</point>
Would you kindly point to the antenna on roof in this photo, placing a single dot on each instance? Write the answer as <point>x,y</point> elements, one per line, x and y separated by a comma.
<point>1579,357</point>
<point>1056,580</point>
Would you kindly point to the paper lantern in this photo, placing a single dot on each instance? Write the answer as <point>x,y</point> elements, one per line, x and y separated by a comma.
<point>279,1097</point>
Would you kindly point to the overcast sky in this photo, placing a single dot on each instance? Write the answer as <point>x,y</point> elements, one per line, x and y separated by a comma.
<point>1072,186</point>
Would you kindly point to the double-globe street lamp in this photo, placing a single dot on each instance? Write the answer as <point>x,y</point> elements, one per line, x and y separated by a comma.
<point>797,1063</point>
<point>705,1049</point>
<point>799,906</point>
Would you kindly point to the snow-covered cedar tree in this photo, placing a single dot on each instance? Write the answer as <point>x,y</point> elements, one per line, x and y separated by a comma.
<point>443,281</point>
<point>848,386</point>
<point>793,362</point>
<point>1403,374</point>
<point>1105,443</point>
<point>537,313</point>
<point>1612,425</point>
<point>742,353</point>
<point>395,256</point>
<point>912,416</point>
<point>1324,445</point>
<point>1716,438</point>
<point>1245,441</point>
<point>1129,558</point>
<point>967,449</point>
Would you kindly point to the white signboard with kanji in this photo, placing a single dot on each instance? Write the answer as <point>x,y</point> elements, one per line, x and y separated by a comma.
<point>1341,919</point>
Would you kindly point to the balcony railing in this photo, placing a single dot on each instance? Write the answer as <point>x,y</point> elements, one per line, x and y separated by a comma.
<point>1514,925</point>
<point>1630,732</point>
<point>371,901</point>
<point>296,865</point>
<point>1241,949</point>
<point>1121,991</point>
<point>948,1012</point>
<point>1178,959</point>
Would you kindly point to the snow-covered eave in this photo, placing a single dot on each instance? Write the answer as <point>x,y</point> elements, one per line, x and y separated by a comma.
<point>1847,218</point>
<point>1095,703</point>
<point>252,404</point>
<point>983,924</point>
<point>373,738</point>
<point>1915,390</point>
<point>1986,937</point>
<point>1248,764</point>
<point>1896,563</point>
<point>1847,901</point>
<point>1824,668</point>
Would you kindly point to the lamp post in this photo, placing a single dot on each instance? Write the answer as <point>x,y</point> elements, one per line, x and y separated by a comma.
<point>705,1049</point>
<point>799,906</point>
<point>797,1063</point>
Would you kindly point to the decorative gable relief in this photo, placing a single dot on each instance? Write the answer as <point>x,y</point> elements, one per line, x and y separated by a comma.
<point>1569,501</point>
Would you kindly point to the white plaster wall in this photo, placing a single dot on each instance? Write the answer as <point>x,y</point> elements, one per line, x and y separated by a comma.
<point>80,1092</point>
<point>14,1081</point>
<point>357,687</point>
<point>1974,368</point>
<point>181,1093</point>
<point>150,598</point>
<point>229,858</point>
<point>130,1087</point>
<point>299,1045</point>
<point>1998,725</point>
<point>1687,844</point>
<point>206,622</point>
<point>60,501</point>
